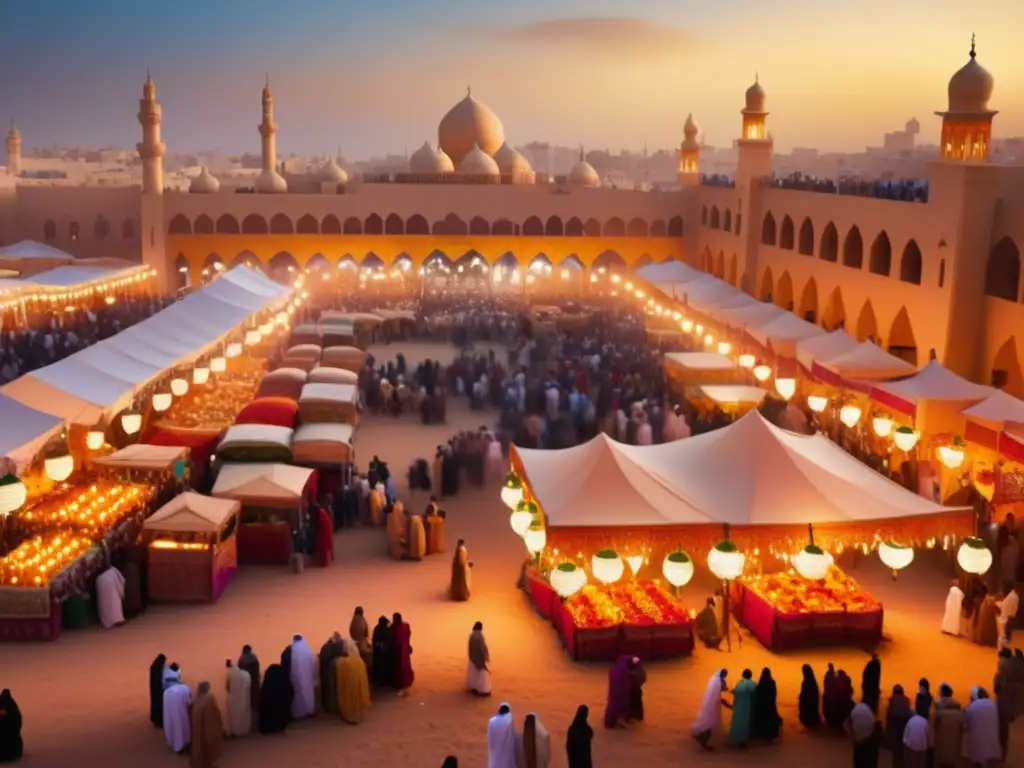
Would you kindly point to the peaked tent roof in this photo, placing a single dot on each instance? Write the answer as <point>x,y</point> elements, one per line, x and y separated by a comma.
<point>31,249</point>
<point>69,276</point>
<point>25,431</point>
<point>750,315</point>
<point>786,327</point>
<point>268,484</point>
<point>935,382</point>
<point>868,361</point>
<point>999,411</point>
<point>820,349</point>
<point>669,272</point>
<point>192,513</point>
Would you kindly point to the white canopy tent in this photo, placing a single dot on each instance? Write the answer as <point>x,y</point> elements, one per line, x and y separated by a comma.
<point>192,513</point>
<point>749,315</point>
<point>999,411</point>
<point>784,332</point>
<point>72,276</point>
<point>868,361</point>
<point>25,431</point>
<point>734,394</point>
<point>701,361</point>
<point>821,349</point>
<point>936,394</point>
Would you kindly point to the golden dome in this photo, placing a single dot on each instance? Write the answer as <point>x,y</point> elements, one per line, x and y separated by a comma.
<point>332,173</point>
<point>583,174</point>
<point>270,182</point>
<point>426,159</point>
<point>511,161</point>
<point>205,183</point>
<point>971,87</point>
<point>755,98</point>
<point>478,163</point>
<point>690,127</point>
<point>467,123</point>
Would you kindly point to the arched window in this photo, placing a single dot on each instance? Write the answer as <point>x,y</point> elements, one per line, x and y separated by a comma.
<point>1002,273</point>
<point>806,245</point>
<point>853,249</point>
<point>787,235</point>
<point>942,273</point>
<point>910,264</point>
<point>101,228</point>
<point>880,260</point>
<point>768,230</point>
<point>727,221</point>
<point>73,231</point>
<point>50,230</point>
<point>715,223</point>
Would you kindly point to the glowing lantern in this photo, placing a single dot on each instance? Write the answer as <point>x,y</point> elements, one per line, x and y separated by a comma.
<point>12,495</point>
<point>709,340</point>
<point>636,562</point>
<point>882,426</point>
<point>131,422</point>
<point>952,455</point>
<point>785,387</point>
<point>59,466</point>
<point>726,561</point>
<point>522,517</point>
<point>161,401</point>
<point>812,562</point>
<point>724,347</point>
<point>179,387</point>
<point>607,566</point>
<point>218,364</point>
<point>747,361</point>
<point>567,579</point>
<point>281,318</point>
<point>698,329</point>
<point>94,439</point>
<point>267,328</point>
<point>200,375</point>
<point>252,337</point>
<point>973,556</point>
<point>905,439</point>
<point>512,491</point>
<point>817,403</point>
<point>677,568</point>
<point>536,538</point>
<point>234,349</point>
<point>762,372</point>
<point>687,326</point>
<point>895,556</point>
<point>849,415</point>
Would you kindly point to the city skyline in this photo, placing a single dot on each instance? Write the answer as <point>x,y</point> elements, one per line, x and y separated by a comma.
<point>377,80</point>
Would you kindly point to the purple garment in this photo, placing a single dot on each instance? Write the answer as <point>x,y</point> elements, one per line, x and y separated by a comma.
<point>617,707</point>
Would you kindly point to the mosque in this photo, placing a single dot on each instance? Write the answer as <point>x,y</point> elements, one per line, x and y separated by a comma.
<point>939,279</point>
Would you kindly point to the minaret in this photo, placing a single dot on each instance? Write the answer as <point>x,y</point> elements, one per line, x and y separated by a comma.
<point>754,164</point>
<point>151,149</point>
<point>13,151</point>
<point>688,174</point>
<point>269,180</point>
<point>967,122</point>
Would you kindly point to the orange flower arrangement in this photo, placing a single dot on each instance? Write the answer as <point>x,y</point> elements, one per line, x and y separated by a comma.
<point>641,603</point>
<point>791,593</point>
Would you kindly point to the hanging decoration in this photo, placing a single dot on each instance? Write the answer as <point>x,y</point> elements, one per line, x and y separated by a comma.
<point>522,517</point>
<point>234,349</point>
<point>785,387</point>
<point>607,566</point>
<point>179,387</point>
<point>636,562</point>
<point>812,562</point>
<point>952,456</point>
<point>905,438</point>
<point>131,422</point>
<point>512,490</point>
<point>677,568</point>
<point>94,439</point>
<point>882,425</point>
<point>13,495</point>
<point>200,375</point>
<point>162,401</point>
<point>746,360</point>
<point>726,561</point>
<point>536,539</point>
<point>252,337</point>
<point>895,556</point>
<point>567,579</point>
<point>762,372</point>
<point>974,556</point>
<point>817,403</point>
<point>724,347</point>
<point>59,465</point>
<point>218,364</point>
<point>849,415</point>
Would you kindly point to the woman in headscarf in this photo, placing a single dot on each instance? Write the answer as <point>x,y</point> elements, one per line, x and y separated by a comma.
<point>896,718</point>
<point>742,710</point>
<point>838,699</point>
<point>617,705</point>
<point>286,667</point>
<point>330,651</point>
<point>578,739</point>
<point>709,719</point>
<point>459,587</point>
<point>383,654</point>
<point>352,690</point>
<point>986,631</point>
<point>923,700</point>
<point>11,746</point>
<point>810,700</point>
<point>637,680</point>
<point>275,700</point>
<point>1005,688</point>
<point>981,729</point>
<point>156,691</point>
<point>359,631</point>
<point>450,762</point>
<point>766,722</point>
<point>536,744</point>
<point>401,635</point>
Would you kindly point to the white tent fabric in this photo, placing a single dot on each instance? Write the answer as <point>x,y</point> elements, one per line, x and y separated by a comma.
<point>25,431</point>
<point>750,315</point>
<point>999,411</point>
<point>701,361</point>
<point>192,513</point>
<point>731,394</point>
<point>821,349</point>
<point>868,361</point>
<point>30,249</point>
<point>261,482</point>
<point>936,382</point>
<point>786,328</point>
<point>669,272</point>
<point>68,277</point>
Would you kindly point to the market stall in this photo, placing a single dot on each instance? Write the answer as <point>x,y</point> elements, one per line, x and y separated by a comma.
<point>303,356</point>
<point>326,375</point>
<point>697,368</point>
<point>191,548</point>
<point>324,445</point>
<point>306,334</point>
<point>349,358</point>
<point>283,382</point>
<point>270,411</point>
<point>338,332</point>
<point>259,443</point>
<point>336,403</point>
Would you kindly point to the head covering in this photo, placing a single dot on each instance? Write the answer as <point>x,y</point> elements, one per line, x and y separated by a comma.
<point>710,707</point>
<point>450,762</point>
<point>501,737</point>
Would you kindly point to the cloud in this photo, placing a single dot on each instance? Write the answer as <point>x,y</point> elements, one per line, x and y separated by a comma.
<point>599,34</point>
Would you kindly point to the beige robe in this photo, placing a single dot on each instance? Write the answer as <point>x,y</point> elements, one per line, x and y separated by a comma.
<point>207,733</point>
<point>396,532</point>
<point>238,685</point>
<point>416,546</point>
<point>435,534</point>
<point>459,588</point>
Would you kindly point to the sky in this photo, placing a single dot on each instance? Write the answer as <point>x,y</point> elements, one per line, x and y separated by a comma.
<point>374,77</point>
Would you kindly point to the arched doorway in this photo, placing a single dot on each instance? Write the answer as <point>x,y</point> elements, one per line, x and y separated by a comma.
<point>1006,372</point>
<point>834,316</point>
<point>784,292</point>
<point>809,302</point>
<point>733,275</point>
<point>282,264</point>
<point>372,261</point>
<point>767,285</point>
<point>182,276</point>
<point>902,343</point>
<point>867,325</point>
<point>318,263</point>
<point>609,260</point>
<point>720,266</point>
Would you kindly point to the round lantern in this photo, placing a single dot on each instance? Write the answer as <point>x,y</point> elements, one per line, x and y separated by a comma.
<point>762,372</point>
<point>162,401</point>
<point>905,439</point>
<point>636,562</point>
<point>785,387</point>
<point>252,337</point>
<point>567,579</point>
<point>895,556</point>
<point>817,403</point>
<point>607,566</point>
<point>12,495</point>
<point>234,349</point>
<point>726,561</point>
<point>218,364</point>
<point>536,539</point>
<point>746,361</point>
<point>179,387</point>
<point>709,340</point>
<point>522,517</point>
<point>882,425</point>
<point>281,318</point>
<point>59,466</point>
<point>686,325</point>
<point>131,422</point>
<point>94,439</point>
<point>677,568</point>
<point>973,556</point>
<point>266,328</point>
<point>952,455</point>
<point>812,562</point>
<point>200,375</point>
<point>724,347</point>
<point>512,490</point>
<point>849,415</point>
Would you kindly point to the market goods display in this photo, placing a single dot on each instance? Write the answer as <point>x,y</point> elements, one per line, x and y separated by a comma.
<point>641,603</point>
<point>215,406</point>
<point>791,593</point>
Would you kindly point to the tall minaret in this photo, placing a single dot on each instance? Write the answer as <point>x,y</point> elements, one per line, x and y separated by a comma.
<point>689,154</point>
<point>967,122</point>
<point>754,164</point>
<point>13,151</point>
<point>151,149</point>
<point>269,180</point>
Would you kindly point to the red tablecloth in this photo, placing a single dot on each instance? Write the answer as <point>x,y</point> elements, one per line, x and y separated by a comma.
<point>265,544</point>
<point>41,629</point>
<point>543,596</point>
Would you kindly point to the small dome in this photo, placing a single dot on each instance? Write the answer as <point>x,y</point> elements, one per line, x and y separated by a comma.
<point>205,183</point>
<point>467,123</point>
<point>332,173</point>
<point>511,161</point>
<point>478,163</point>
<point>971,87</point>
<point>426,159</point>
<point>14,133</point>
<point>271,183</point>
<point>583,174</point>
<point>755,98</point>
<point>690,127</point>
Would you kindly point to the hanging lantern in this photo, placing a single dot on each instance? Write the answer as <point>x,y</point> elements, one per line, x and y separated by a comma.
<point>59,466</point>
<point>785,387</point>
<point>218,364</point>
<point>161,401</point>
<point>234,349</point>
<point>131,422</point>
<point>849,415</point>
<point>709,340</point>
<point>747,361</point>
<point>724,347</point>
<point>677,568</point>
<point>266,329</point>
<point>952,455</point>
<point>94,439</point>
<point>200,375</point>
<point>882,425</point>
<point>895,556</point>
<point>817,403</point>
<point>607,566</point>
<point>12,495</point>
<point>179,387</point>
<point>567,579</point>
<point>252,337</point>
<point>762,372</point>
<point>726,561</point>
<point>636,562</point>
<point>812,562</point>
<point>536,538</point>
<point>281,318</point>
<point>687,326</point>
<point>522,517</point>
<point>905,439</point>
<point>973,556</point>
<point>512,491</point>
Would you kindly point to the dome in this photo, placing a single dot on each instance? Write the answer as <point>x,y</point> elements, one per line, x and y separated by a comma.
<point>511,161</point>
<point>971,87</point>
<point>690,127</point>
<point>467,123</point>
<point>204,183</point>
<point>755,98</point>
<point>583,174</point>
<point>271,182</point>
<point>426,159</point>
<point>332,173</point>
<point>478,163</point>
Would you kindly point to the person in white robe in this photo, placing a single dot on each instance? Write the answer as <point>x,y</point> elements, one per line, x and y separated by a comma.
<point>954,607</point>
<point>1008,608</point>
<point>502,740</point>
<point>110,597</point>
<point>238,684</point>
<point>709,719</point>
<point>177,718</point>
<point>981,729</point>
<point>303,678</point>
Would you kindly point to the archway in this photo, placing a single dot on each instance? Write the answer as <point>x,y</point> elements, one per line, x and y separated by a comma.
<point>204,225</point>
<point>307,225</point>
<point>911,264</point>
<point>254,224</point>
<point>592,228</point>
<point>1006,371</point>
<point>348,262</point>
<point>787,234</point>
<point>867,325</point>
<point>282,263</point>
<point>331,225</point>
<point>507,260</point>
<point>806,245</point>
<point>657,228</point>
<point>768,233</point>
<point>675,226</point>
<point>636,228</point>
<point>720,265</point>
<point>572,261</point>
<point>437,260</point>
<point>373,225</point>
<point>394,225</point>
<point>281,225</point>
<point>212,263</point>
<point>540,265</point>
<point>1002,272</point>
<point>715,222</point>
<point>829,250</point>
<point>182,276</point>
<point>767,285</point>
<point>707,261</point>
<point>733,276</point>
<point>241,259</point>
<point>784,292</point>
<point>450,225</point>
<point>809,301</point>
<point>853,249</point>
<point>643,261</point>
<point>479,226</point>
<point>372,261</point>
<point>402,264</point>
<point>533,227</point>
<point>610,260</point>
<point>417,225</point>
<point>727,221</point>
<point>574,227</point>
<point>902,343</point>
<point>227,225</point>
<point>318,263</point>
<point>553,227</point>
<point>880,260</point>
<point>179,225</point>
<point>614,227</point>
<point>353,226</point>
<point>503,227</point>
<point>834,316</point>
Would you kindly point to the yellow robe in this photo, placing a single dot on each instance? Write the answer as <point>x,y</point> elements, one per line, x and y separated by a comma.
<point>396,532</point>
<point>353,688</point>
<point>376,504</point>
<point>416,547</point>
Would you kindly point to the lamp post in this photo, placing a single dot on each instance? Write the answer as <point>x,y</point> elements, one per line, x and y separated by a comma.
<point>726,562</point>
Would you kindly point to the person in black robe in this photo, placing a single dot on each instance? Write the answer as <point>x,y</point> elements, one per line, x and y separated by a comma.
<point>637,678</point>
<point>275,700</point>
<point>249,663</point>
<point>156,691</point>
<point>11,746</point>
<point>871,683</point>
<point>383,672</point>
<point>766,723</point>
<point>810,700</point>
<point>286,666</point>
<point>923,700</point>
<point>578,739</point>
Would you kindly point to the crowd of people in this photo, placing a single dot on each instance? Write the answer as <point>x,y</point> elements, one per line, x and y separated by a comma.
<point>907,190</point>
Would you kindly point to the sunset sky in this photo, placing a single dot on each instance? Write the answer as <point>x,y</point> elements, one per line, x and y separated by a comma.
<point>375,77</point>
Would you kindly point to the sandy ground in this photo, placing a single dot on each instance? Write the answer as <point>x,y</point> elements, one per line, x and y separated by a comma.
<point>85,698</point>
